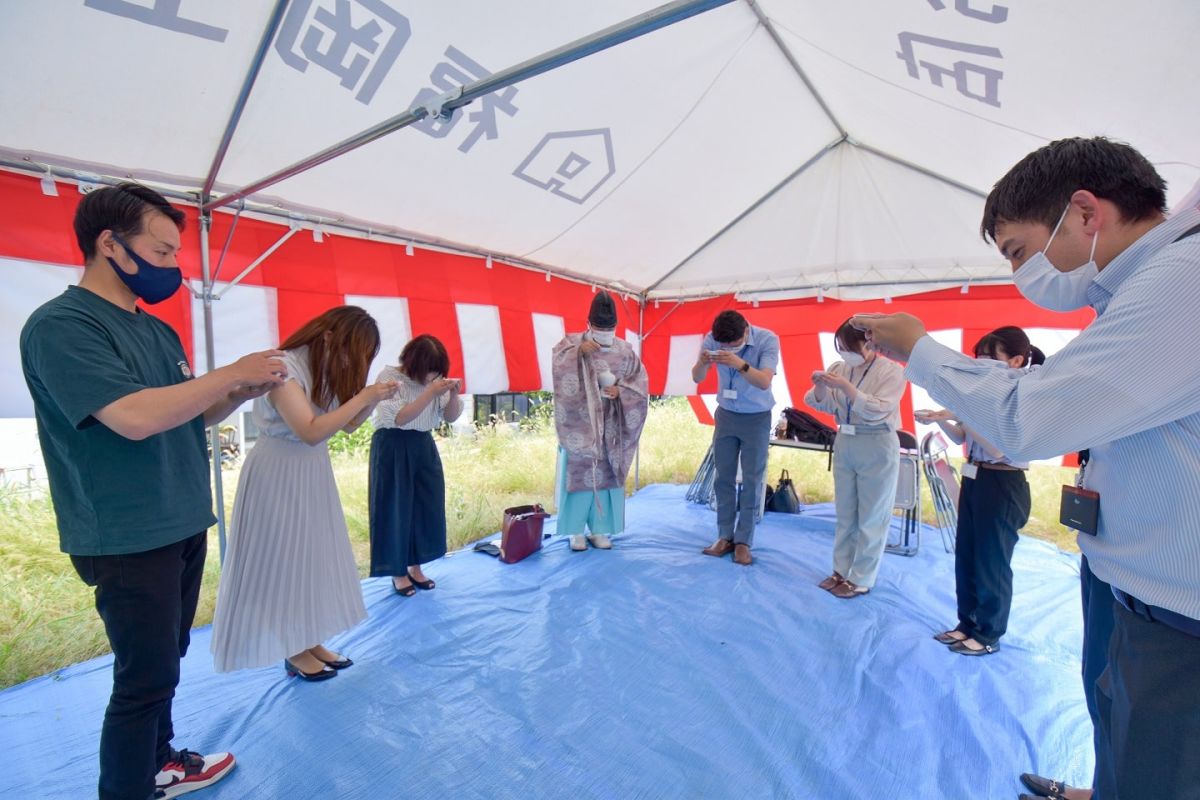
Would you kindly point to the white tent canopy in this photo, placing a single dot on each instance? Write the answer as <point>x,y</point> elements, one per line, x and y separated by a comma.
<point>760,146</point>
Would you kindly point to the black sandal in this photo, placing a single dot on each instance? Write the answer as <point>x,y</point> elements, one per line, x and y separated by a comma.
<point>425,584</point>
<point>945,637</point>
<point>404,591</point>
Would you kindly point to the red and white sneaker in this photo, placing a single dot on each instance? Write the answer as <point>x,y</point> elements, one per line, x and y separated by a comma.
<point>188,771</point>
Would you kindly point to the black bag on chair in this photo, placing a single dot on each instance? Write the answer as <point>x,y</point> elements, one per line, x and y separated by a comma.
<point>784,499</point>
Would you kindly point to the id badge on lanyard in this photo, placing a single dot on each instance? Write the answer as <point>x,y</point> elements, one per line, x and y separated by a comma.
<point>1080,508</point>
<point>730,393</point>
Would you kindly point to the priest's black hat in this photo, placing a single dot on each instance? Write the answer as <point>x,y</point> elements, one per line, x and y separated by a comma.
<point>603,313</point>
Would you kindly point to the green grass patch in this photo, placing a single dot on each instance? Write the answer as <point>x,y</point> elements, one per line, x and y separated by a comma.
<point>47,620</point>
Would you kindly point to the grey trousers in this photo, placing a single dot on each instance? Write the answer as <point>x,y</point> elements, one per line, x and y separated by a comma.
<point>865,468</point>
<point>743,436</point>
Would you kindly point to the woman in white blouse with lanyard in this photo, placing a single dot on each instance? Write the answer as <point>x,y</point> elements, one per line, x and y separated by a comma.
<point>863,391</point>
<point>993,505</point>
<point>407,495</point>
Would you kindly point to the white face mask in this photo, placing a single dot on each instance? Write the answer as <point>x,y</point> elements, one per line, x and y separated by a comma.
<point>1043,285</point>
<point>732,348</point>
<point>851,359</point>
<point>604,338</point>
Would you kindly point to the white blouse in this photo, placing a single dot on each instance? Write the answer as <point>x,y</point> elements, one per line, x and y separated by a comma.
<point>880,386</point>
<point>409,390</point>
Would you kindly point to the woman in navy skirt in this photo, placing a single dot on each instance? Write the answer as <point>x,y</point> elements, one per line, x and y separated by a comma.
<point>993,506</point>
<point>407,496</point>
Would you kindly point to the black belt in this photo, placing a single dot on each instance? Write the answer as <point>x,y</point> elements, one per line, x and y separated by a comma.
<point>996,466</point>
<point>1171,619</point>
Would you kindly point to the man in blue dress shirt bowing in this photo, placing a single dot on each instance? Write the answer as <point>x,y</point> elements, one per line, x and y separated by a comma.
<point>746,358</point>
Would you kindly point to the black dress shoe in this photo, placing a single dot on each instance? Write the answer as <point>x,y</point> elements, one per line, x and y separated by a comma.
<point>324,674</point>
<point>1044,787</point>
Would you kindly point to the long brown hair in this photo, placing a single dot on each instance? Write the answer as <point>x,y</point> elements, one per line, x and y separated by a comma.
<point>425,355</point>
<point>341,345</point>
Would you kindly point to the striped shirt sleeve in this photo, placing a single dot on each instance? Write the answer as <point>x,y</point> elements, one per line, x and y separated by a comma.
<point>1109,382</point>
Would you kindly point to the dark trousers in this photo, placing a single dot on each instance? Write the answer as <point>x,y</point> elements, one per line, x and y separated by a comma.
<point>739,438</point>
<point>992,507</point>
<point>147,602</point>
<point>1148,700</point>
<point>1097,632</point>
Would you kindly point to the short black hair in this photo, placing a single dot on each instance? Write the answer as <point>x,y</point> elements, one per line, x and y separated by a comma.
<point>729,326</point>
<point>849,337</point>
<point>1039,187</point>
<point>121,209</point>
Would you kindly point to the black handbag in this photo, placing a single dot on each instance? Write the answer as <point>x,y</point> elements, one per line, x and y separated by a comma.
<point>804,427</point>
<point>784,499</point>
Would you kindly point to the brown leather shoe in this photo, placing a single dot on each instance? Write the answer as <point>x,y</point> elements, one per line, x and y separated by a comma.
<point>847,590</point>
<point>741,555</point>
<point>721,547</point>
<point>830,582</point>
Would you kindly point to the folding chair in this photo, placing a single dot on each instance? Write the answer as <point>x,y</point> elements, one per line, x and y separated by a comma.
<point>943,485</point>
<point>908,497</point>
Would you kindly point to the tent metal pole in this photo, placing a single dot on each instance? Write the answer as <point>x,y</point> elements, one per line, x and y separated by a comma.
<point>637,452</point>
<point>670,311</point>
<point>254,264</point>
<point>918,168</point>
<point>330,224</point>
<point>214,432</point>
<point>80,176</point>
<point>228,241</point>
<point>239,105</point>
<point>791,59</point>
<point>611,36</point>
<point>774,190</point>
<point>766,294</point>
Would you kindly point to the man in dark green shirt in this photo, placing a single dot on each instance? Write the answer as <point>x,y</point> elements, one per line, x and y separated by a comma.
<point>121,423</point>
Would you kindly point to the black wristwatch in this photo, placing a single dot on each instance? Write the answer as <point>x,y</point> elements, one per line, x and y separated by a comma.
<point>745,367</point>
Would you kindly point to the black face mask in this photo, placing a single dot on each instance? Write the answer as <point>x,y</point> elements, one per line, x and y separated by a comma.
<point>150,283</point>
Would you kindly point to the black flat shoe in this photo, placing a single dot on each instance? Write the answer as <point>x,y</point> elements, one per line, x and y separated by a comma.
<point>404,591</point>
<point>340,663</point>
<point>427,585</point>
<point>1044,787</point>
<point>962,649</point>
<point>945,638</point>
<point>293,671</point>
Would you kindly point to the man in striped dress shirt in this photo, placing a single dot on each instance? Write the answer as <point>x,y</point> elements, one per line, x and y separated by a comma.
<point>1083,222</point>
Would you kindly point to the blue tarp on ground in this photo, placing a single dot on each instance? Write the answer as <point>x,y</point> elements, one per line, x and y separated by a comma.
<point>646,672</point>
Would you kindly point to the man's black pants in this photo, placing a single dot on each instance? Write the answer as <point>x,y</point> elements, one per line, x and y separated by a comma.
<point>147,602</point>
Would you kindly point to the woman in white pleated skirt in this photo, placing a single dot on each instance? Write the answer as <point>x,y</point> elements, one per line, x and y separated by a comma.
<point>289,581</point>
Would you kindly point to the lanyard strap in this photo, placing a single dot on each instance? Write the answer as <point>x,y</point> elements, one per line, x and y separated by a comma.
<point>849,402</point>
<point>733,373</point>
